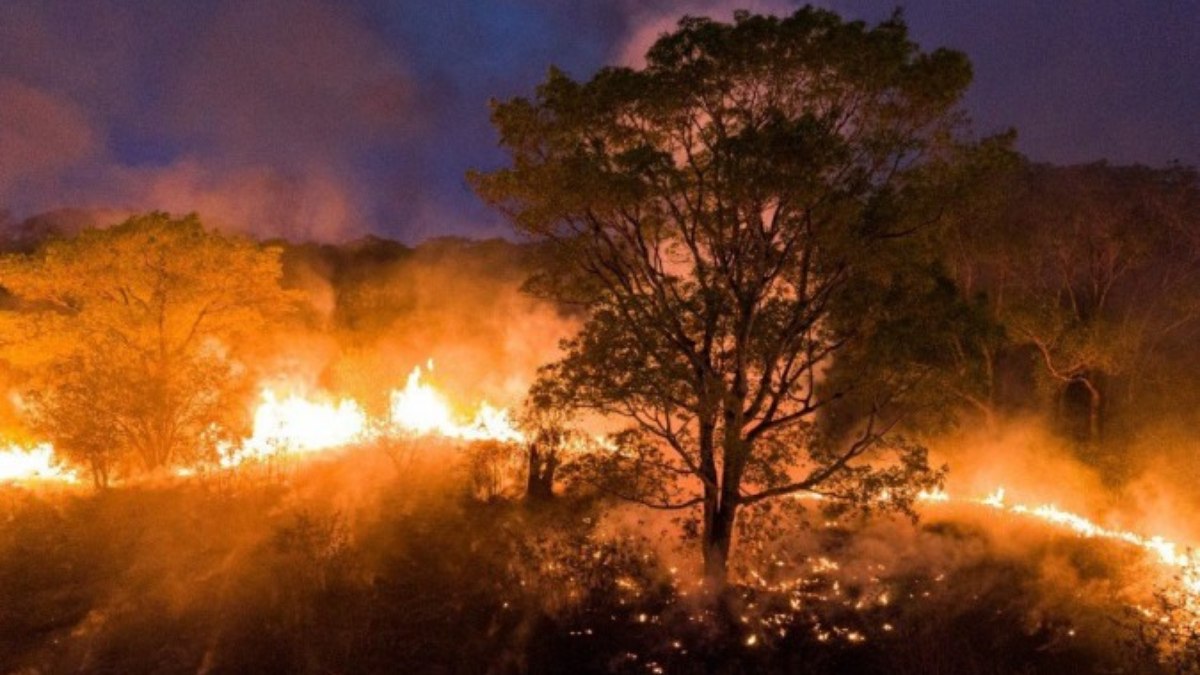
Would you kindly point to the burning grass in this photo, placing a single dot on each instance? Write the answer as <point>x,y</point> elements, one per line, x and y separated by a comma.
<point>289,422</point>
<point>377,560</point>
<point>331,537</point>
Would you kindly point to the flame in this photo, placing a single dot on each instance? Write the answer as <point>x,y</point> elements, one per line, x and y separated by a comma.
<point>19,463</point>
<point>297,425</point>
<point>419,410</point>
<point>1163,551</point>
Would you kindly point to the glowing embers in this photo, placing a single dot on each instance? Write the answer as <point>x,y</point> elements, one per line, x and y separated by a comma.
<point>34,463</point>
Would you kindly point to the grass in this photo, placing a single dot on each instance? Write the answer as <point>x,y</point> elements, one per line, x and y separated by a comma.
<point>349,566</point>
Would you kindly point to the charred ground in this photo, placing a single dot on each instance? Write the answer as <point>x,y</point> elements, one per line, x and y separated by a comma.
<point>346,565</point>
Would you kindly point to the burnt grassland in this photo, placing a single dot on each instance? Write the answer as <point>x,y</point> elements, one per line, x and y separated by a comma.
<point>346,565</point>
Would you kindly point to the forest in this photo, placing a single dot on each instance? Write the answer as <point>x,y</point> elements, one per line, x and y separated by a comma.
<point>783,368</point>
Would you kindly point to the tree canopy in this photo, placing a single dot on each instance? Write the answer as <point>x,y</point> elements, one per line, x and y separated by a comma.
<point>744,219</point>
<point>1092,271</point>
<point>131,337</point>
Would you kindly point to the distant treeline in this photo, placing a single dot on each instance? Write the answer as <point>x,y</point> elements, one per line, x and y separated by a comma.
<point>1090,276</point>
<point>1086,279</point>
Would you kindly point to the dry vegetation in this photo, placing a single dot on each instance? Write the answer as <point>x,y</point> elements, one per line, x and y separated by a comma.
<point>345,564</point>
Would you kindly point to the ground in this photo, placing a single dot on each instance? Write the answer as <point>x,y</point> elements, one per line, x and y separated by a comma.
<point>346,565</point>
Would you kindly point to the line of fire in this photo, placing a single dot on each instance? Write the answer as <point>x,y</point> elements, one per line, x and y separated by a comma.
<point>781,367</point>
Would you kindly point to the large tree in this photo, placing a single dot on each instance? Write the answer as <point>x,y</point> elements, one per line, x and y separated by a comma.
<point>131,337</point>
<point>744,220</point>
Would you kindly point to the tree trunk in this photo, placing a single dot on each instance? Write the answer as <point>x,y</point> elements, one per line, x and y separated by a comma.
<point>1095,410</point>
<point>539,485</point>
<point>99,475</point>
<point>717,539</point>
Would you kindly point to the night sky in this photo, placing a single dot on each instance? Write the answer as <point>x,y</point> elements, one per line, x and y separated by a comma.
<point>316,119</point>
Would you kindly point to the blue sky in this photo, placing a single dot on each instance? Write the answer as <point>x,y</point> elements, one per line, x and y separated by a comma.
<point>329,120</point>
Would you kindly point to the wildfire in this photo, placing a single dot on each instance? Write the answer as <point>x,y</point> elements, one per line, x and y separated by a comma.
<point>298,425</point>
<point>1163,551</point>
<point>419,410</point>
<point>295,423</point>
<point>19,463</point>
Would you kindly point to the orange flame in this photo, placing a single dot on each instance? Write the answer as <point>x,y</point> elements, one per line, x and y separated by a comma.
<point>297,425</point>
<point>1166,553</point>
<point>419,410</point>
<point>36,463</point>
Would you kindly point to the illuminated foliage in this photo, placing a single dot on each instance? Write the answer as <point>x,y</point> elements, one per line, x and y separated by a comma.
<point>131,334</point>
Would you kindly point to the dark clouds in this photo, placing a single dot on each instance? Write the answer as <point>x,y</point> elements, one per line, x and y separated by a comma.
<point>323,119</point>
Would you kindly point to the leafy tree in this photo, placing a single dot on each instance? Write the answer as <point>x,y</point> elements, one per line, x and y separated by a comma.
<point>973,248</point>
<point>1094,269</point>
<point>545,419</point>
<point>131,337</point>
<point>739,217</point>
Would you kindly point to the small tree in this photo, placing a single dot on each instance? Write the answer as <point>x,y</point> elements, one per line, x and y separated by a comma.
<point>131,337</point>
<point>546,421</point>
<point>737,217</point>
<point>491,469</point>
<point>66,414</point>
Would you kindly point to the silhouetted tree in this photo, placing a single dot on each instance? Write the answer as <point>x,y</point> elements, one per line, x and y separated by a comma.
<point>545,419</point>
<point>736,217</point>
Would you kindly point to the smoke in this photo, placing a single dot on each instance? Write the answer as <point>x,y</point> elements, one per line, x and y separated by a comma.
<point>648,21</point>
<point>306,203</point>
<point>324,119</point>
<point>42,133</point>
<point>380,309</point>
<point>256,115</point>
<point>465,311</point>
<point>1151,495</point>
<point>287,80</point>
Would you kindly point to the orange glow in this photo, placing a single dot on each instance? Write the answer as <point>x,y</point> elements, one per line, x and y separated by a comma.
<point>1164,552</point>
<point>289,422</point>
<point>292,423</point>
<point>19,464</point>
<point>298,425</point>
<point>420,410</point>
